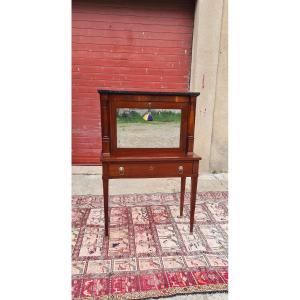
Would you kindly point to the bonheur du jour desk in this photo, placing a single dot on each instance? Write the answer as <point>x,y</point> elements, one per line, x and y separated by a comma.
<point>148,135</point>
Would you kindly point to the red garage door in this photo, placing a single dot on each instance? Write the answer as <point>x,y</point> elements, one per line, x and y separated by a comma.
<point>124,44</point>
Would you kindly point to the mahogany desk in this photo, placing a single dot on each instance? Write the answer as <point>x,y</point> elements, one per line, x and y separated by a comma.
<point>149,162</point>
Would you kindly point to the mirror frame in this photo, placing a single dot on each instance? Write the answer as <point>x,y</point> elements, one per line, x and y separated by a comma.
<point>144,105</point>
<point>112,100</point>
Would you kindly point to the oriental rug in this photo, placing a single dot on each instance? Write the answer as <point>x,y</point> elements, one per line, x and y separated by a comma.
<point>150,252</point>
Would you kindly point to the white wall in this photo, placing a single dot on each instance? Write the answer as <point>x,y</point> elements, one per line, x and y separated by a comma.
<point>210,79</point>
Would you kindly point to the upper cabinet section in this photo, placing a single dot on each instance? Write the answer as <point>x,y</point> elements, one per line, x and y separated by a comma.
<point>138,123</point>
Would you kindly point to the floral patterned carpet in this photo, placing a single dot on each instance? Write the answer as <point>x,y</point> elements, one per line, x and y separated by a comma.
<point>150,252</point>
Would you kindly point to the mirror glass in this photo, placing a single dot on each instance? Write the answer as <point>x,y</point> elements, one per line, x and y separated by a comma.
<point>143,128</point>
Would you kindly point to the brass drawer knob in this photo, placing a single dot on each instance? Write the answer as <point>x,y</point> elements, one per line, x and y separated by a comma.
<point>180,170</point>
<point>121,170</point>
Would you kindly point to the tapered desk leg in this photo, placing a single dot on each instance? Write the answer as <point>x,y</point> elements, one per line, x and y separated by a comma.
<point>105,200</point>
<point>194,181</point>
<point>182,191</point>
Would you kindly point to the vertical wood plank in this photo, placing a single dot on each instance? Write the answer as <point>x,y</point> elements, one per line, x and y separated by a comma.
<point>182,191</point>
<point>105,200</point>
<point>194,181</point>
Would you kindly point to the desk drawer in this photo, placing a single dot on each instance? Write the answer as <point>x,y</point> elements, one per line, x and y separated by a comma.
<point>169,169</point>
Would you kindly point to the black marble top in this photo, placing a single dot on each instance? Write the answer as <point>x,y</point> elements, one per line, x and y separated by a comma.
<point>100,91</point>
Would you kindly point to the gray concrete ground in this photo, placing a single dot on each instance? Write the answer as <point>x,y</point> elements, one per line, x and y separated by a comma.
<point>87,181</point>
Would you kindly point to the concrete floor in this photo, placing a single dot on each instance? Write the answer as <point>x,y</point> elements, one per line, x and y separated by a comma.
<point>87,181</point>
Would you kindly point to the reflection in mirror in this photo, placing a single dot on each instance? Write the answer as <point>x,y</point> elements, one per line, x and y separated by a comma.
<point>143,128</point>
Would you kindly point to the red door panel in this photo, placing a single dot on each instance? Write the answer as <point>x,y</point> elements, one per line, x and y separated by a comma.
<point>118,44</point>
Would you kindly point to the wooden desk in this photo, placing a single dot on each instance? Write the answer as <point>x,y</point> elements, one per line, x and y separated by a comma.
<point>149,162</point>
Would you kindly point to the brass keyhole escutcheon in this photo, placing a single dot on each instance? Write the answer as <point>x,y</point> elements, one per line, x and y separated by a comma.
<point>149,104</point>
<point>151,168</point>
<point>121,170</point>
<point>180,170</point>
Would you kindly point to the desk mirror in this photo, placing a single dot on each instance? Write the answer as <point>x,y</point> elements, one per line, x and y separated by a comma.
<point>143,128</point>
